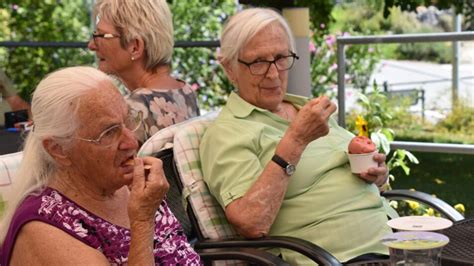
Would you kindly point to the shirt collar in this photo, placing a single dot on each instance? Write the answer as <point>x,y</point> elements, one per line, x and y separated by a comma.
<point>241,108</point>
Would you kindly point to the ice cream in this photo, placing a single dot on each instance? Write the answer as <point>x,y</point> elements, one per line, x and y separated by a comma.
<point>361,144</point>
<point>361,152</point>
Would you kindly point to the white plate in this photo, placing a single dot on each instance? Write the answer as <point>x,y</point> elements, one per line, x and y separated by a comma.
<point>419,223</point>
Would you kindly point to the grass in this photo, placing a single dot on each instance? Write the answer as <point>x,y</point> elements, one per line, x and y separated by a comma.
<point>448,176</point>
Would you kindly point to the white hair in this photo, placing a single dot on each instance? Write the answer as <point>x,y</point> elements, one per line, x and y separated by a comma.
<point>54,108</point>
<point>151,20</point>
<point>243,26</point>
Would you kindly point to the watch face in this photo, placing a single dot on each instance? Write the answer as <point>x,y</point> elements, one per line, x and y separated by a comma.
<point>290,169</point>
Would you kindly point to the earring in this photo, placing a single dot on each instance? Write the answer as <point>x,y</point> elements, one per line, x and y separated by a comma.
<point>133,58</point>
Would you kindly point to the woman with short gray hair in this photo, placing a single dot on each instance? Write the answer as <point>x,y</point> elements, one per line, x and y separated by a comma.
<point>287,173</point>
<point>134,42</point>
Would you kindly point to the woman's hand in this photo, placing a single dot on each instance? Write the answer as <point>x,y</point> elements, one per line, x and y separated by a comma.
<point>312,120</point>
<point>147,190</point>
<point>377,175</point>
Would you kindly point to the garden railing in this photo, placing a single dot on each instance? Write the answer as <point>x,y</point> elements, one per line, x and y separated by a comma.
<point>342,41</point>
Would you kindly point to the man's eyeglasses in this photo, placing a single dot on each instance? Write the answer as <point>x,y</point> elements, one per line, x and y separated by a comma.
<point>111,135</point>
<point>261,67</point>
<point>94,36</point>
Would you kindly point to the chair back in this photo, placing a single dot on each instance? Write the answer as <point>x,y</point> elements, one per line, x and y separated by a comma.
<point>209,215</point>
<point>186,180</point>
<point>9,164</point>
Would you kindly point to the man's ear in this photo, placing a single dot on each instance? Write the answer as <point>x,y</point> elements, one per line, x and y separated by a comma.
<point>57,151</point>
<point>136,48</point>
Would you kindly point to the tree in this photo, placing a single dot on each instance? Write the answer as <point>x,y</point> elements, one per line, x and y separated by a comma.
<point>45,20</point>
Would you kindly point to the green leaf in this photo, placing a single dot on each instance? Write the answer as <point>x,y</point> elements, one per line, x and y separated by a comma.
<point>363,98</point>
<point>411,157</point>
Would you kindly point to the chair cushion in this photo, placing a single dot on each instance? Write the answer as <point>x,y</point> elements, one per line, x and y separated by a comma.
<point>185,138</point>
<point>209,213</point>
<point>164,138</point>
<point>9,164</point>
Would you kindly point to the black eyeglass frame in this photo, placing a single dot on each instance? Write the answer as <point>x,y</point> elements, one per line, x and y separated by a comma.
<point>104,36</point>
<point>292,54</point>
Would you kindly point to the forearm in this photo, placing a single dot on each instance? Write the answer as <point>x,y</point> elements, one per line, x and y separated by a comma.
<point>254,213</point>
<point>17,103</point>
<point>141,244</point>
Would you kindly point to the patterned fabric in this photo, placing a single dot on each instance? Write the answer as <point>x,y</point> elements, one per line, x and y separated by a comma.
<point>50,206</point>
<point>211,216</point>
<point>164,138</point>
<point>185,138</point>
<point>9,164</point>
<point>162,108</point>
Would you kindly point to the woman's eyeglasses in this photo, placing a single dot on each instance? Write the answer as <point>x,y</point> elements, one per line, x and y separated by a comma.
<point>94,36</point>
<point>111,135</point>
<point>261,67</point>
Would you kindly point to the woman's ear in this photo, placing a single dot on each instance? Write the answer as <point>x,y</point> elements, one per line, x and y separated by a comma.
<point>56,151</point>
<point>229,71</point>
<point>136,48</point>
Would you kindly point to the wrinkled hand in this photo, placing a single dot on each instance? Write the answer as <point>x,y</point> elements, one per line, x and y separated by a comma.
<point>377,175</point>
<point>312,120</point>
<point>146,192</point>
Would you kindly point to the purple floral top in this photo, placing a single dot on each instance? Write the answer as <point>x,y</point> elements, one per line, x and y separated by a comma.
<point>162,108</point>
<point>51,207</point>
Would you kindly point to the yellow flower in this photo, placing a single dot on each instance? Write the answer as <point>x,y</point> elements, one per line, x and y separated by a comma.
<point>460,208</point>
<point>430,212</point>
<point>361,125</point>
<point>413,204</point>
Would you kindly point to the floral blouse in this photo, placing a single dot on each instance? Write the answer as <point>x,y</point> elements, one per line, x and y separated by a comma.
<point>51,207</point>
<point>162,108</point>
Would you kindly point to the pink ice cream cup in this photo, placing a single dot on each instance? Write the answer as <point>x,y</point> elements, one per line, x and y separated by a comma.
<point>361,152</point>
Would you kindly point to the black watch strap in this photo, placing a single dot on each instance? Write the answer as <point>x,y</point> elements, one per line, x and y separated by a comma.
<point>287,167</point>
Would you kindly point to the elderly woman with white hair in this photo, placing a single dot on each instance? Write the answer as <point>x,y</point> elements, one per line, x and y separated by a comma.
<point>81,195</point>
<point>287,173</point>
<point>134,42</point>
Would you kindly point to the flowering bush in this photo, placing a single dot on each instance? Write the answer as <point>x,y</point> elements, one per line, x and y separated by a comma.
<point>360,63</point>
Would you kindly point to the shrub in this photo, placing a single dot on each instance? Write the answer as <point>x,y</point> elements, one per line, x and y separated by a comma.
<point>459,121</point>
<point>48,20</point>
<point>360,63</point>
<point>196,20</point>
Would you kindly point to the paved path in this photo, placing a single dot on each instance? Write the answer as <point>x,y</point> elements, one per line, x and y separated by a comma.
<point>435,79</point>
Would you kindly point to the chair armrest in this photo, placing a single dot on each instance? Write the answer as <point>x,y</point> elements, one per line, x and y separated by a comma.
<point>257,256</point>
<point>439,205</point>
<point>310,250</point>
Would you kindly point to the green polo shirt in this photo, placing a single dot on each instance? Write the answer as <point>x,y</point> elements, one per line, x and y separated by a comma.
<point>325,203</point>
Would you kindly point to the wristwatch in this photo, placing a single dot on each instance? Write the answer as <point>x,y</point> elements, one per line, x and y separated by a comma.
<point>288,167</point>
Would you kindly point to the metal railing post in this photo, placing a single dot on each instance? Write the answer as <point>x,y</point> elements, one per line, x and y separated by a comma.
<point>341,95</point>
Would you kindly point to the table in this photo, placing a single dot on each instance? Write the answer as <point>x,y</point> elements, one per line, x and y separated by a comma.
<point>10,141</point>
<point>458,252</point>
<point>460,249</point>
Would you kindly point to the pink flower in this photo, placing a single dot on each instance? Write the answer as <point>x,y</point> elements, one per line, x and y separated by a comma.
<point>14,7</point>
<point>195,86</point>
<point>312,48</point>
<point>333,67</point>
<point>322,25</point>
<point>370,50</point>
<point>330,40</point>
